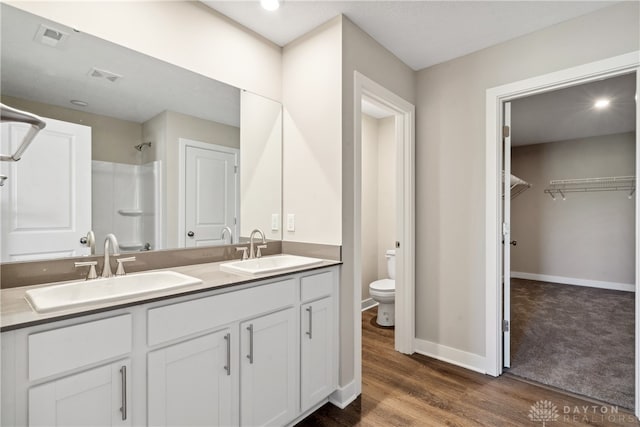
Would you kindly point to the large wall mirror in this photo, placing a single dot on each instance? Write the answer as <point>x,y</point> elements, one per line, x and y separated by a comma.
<point>158,155</point>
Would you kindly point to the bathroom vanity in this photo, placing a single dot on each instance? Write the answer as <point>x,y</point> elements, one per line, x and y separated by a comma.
<point>233,350</point>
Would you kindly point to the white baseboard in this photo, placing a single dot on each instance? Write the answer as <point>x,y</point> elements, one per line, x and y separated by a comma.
<point>368,303</point>
<point>343,396</point>
<point>451,355</point>
<point>573,281</point>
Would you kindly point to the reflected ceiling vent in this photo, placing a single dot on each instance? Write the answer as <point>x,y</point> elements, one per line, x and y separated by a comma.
<point>104,74</point>
<point>51,36</point>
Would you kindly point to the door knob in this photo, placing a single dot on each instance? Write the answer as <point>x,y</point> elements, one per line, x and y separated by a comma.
<point>191,234</point>
<point>83,241</point>
<point>514,242</point>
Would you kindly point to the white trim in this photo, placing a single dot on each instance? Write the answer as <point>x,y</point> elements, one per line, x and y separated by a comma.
<point>405,257</point>
<point>637,389</point>
<point>628,287</point>
<point>464,359</point>
<point>183,143</point>
<point>343,396</point>
<point>367,304</point>
<point>494,98</point>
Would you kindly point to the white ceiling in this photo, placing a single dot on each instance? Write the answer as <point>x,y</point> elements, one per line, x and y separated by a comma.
<point>570,114</point>
<point>420,33</point>
<point>34,71</point>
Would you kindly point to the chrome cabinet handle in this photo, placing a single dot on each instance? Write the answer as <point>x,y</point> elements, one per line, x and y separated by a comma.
<point>250,355</point>
<point>123,376</point>
<point>227,368</point>
<point>310,332</point>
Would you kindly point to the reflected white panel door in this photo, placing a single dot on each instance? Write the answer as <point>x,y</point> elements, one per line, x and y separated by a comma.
<point>46,201</point>
<point>506,238</point>
<point>210,195</point>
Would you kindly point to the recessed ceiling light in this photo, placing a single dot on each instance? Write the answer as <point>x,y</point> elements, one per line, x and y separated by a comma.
<point>79,103</point>
<point>602,103</point>
<point>270,4</point>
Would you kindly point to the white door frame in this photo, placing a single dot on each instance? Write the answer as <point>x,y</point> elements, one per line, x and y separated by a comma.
<point>610,67</point>
<point>405,268</point>
<point>183,143</point>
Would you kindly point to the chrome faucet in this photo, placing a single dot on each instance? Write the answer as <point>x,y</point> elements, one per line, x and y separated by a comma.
<point>252,253</point>
<point>229,232</point>
<point>109,241</point>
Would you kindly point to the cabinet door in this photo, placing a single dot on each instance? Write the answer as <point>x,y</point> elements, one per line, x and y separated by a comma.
<point>318,374</point>
<point>97,397</point>
<point>268,369</point>
<point>191,383</point>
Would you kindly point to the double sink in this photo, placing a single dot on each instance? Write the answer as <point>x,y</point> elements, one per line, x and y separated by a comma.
<point>74,294</point>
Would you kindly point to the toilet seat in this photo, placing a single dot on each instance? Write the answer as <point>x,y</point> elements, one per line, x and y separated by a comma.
<point>383,286</point>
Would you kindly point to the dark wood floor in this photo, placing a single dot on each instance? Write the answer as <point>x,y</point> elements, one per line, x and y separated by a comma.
<point>400,390</point>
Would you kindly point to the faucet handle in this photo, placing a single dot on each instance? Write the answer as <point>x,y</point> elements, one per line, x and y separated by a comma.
<point>258,253</point>
<point>120,270</point>
<point>92,271</point>
<point>244,252</point>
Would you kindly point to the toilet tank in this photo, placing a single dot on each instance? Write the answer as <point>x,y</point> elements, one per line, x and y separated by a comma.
<point>391,263</point>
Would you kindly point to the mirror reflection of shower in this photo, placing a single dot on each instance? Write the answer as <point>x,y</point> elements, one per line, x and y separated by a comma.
<point>139,147</point>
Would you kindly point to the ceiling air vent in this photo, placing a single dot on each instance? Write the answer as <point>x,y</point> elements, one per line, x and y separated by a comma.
<point>50,36</point>
<point>104,74</point>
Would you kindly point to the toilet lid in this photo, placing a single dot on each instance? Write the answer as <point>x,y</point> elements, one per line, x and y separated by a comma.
<point>388,285</point>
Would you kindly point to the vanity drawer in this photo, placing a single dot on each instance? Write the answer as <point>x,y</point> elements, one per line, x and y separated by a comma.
<point>61,350</point>
<point>186,318</point>
<point>316,286</point>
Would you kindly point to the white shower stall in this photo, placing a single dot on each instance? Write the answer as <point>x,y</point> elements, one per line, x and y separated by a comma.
<point>126,202</point>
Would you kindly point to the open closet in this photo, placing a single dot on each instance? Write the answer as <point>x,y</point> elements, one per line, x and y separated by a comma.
<point>572,257</point>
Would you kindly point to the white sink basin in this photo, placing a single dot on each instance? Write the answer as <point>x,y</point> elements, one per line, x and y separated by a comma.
<point>268,264</point>
<point>58,297</point>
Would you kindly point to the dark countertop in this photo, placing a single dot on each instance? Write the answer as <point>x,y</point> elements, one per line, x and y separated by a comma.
<point>15,311</point>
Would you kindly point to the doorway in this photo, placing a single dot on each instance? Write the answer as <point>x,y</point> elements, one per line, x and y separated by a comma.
<point>404,113</point>
<point>494,226</point>
<point>572,256</point>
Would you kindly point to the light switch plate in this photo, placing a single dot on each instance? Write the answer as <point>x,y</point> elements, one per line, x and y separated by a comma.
<point>291,222</point>
<point>275,222</point>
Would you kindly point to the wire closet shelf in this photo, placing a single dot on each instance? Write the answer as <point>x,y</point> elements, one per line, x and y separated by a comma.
<point>560,187</point>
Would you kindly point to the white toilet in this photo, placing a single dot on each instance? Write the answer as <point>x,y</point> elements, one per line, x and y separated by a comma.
<point>384,292</point>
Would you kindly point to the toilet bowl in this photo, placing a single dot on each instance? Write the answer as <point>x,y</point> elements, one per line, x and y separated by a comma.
<point>384,292</point>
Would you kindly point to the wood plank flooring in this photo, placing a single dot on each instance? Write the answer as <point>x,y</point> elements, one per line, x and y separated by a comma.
<point>401,390</point>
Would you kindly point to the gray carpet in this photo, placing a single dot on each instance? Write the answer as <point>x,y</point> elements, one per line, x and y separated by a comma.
<point>574,338</point>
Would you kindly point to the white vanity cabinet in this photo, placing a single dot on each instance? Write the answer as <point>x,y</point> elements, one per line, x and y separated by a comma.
<point>263,353</point>
<point>268,374</point>
<point>70,373</point>
<point>191,383</point>
<point>318,349</point>
<point>97,397</point>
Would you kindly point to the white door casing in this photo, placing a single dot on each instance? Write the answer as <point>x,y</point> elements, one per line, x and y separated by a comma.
<point>405,183</point>
<point>209,193</point>
<point>506,237</point>
<point>46,200</point>
<point>597,70</point>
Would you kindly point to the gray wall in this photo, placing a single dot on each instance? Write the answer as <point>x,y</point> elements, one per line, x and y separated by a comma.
<point>450,159</point>
<point>588,235</point>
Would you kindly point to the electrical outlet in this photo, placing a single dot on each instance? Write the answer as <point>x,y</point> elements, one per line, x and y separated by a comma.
<point>275,222</point>
<point>291,222</point>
